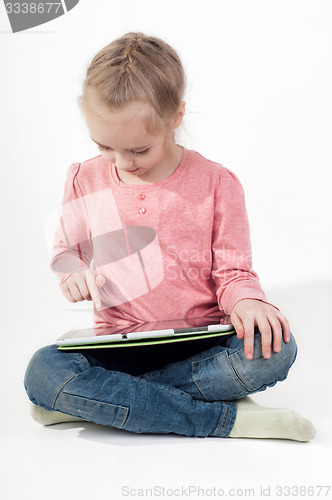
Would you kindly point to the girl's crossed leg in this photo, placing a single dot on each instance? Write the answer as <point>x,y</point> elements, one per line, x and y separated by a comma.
<point>193,396</point>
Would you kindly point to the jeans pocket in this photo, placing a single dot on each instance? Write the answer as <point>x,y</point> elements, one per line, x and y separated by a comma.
<point>229,375</point>
<point>216,378</point>
<point>258,373</point>
<point>94,411</point>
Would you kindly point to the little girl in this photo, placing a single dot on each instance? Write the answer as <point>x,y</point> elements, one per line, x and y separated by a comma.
<point>168,234</point>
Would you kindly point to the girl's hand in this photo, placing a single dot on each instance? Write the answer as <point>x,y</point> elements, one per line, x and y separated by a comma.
<point>83,285</point>
<point>248,313</point>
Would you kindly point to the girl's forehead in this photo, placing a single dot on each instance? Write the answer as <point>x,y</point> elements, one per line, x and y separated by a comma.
<point>123,129</point>
<point>127,123</point>
<point>128,112</point>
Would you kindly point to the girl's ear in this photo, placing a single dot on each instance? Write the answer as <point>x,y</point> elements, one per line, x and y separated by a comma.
<point>178,116</point>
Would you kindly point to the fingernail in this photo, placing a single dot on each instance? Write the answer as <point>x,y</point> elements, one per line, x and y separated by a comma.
<point>267,355</point>
<point>249,356</point>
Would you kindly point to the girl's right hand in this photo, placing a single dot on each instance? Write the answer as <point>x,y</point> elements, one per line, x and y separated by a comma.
<point>83,285</point>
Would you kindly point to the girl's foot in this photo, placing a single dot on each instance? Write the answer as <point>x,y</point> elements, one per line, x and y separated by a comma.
<point>255,421</point>
<point>46,417</point>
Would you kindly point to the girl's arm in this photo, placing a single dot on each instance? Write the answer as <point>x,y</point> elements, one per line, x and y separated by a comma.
<point>238,289</point>
<point>72,246</point>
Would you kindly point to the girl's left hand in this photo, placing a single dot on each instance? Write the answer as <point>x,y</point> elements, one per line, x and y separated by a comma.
<point>273,326</point>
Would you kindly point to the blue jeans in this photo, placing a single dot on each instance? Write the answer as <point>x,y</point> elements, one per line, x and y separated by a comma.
<point>184,388</point>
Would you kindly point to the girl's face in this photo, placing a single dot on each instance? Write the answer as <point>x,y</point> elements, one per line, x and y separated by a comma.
<point>123,140</point>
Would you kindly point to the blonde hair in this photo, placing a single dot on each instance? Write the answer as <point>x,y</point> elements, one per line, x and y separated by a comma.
<point>137,67</point>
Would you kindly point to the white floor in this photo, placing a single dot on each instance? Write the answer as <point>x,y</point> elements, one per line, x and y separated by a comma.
<point>87,461</point>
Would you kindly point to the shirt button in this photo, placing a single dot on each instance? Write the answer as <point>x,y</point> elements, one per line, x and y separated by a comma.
<point>141,196</point>
<point>142,211</point>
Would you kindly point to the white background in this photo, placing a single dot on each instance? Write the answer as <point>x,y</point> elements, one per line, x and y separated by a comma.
<point>258,101</point>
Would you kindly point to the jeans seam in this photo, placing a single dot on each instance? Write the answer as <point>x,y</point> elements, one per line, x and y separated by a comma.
<point>231,366</point>
<point>125,417</point>
<point>175,390</point>
<point>222,422</point>
<point>86,365</point>
<point>236,373</point>
<point>61,387</point>
<point>197,385</point>
<point>192,370</point>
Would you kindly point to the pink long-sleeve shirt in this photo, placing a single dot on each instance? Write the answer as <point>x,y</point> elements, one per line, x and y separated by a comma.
<point>178,248</point>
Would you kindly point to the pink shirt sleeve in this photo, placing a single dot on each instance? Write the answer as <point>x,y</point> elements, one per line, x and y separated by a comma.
<point>72,247</point>
<point>231,249</point>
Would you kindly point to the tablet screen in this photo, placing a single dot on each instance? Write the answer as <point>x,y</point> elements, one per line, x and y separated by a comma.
<point>178,325</point>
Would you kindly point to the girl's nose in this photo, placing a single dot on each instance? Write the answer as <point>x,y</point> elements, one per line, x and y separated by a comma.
<point>123,162</point>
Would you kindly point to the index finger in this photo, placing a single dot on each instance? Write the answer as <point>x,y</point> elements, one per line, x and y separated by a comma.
<point>93,289</point>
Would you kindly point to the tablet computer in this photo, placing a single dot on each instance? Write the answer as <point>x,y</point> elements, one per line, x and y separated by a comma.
<point>141,334</point>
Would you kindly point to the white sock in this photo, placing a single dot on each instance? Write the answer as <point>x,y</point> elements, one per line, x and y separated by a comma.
<point>46,417</point>
<point>255,421</point>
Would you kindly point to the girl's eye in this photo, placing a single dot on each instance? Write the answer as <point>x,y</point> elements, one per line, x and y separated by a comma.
<point>138,153</point>
<point>102,148</point>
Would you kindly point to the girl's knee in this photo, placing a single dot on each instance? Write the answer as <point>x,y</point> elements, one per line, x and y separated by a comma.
<point>37,371</point>
<point>286,357</point>
<point>279,364</point>
<point>48,370</point>
<point>259,373</point>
